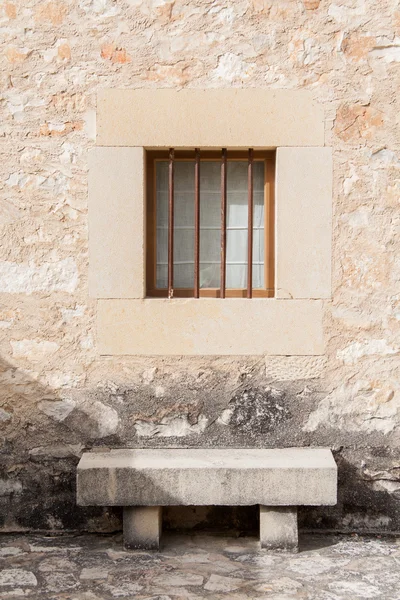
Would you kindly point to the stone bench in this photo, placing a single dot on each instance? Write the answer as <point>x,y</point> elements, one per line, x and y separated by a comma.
<point>142,481</point>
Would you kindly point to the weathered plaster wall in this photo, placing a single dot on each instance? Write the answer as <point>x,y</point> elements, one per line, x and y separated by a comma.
<point>58,396</point>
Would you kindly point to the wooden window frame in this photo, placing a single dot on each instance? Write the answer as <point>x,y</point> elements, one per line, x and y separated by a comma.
<point>152,156</point>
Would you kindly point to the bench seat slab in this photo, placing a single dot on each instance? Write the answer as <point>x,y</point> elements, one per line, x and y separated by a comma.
<point>278,528</point>
<point>204,477</point>
<point>142,527</point>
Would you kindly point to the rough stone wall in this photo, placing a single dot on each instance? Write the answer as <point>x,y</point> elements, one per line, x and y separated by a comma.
<point>58,397</point>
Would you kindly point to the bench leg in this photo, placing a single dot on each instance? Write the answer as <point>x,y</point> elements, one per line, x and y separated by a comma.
<point>278,527</point>
<point>142,527</point>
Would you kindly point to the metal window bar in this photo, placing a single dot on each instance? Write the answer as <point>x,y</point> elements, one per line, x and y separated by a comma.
<point>197,223</point>
<point>171,169</point>
<point>223,221</point>
<point>250,225</point>
<point>250,180</point>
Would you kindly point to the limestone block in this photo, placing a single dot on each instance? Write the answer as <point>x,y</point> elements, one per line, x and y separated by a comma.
<point>142,527</point>
<point>212,118</point>
<point>204,477</point>
<point>278,528</point>
<point>17,578</point>
<point>233,326</point>
<point>285,368</point>
<point>303,222</point>
<point>28,278</point>
<point>116,223</point>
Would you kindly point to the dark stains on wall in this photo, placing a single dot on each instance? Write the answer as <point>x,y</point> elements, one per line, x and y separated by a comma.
<point>254,412</point>
<point>47,433</point>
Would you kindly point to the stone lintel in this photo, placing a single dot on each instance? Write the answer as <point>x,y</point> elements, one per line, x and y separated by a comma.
<point>212,118</point>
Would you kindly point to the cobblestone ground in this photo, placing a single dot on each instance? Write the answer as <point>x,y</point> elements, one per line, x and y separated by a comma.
<point>96,567</point>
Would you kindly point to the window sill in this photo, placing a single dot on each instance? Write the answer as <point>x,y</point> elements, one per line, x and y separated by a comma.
<point>210,326</point>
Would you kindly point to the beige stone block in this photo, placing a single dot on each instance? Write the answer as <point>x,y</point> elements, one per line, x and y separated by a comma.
<point>142,527</point>
<point>303,222</point>
<point>285,368</point>
<point>213,118</point>
<point>278,528</point>
<point>233,326</point>
<point>116,223</point>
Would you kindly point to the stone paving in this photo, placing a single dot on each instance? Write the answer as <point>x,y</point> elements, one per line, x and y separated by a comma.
<point>193,567</point>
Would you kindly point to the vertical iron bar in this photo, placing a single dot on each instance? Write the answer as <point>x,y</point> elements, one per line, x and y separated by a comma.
<point>223,223</point>
<point>197,223</point>
<point>250,225</point>
<point>171,223</point>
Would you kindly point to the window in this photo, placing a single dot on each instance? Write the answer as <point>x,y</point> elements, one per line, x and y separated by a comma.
<point>207,252</point>
<point>134,317</point>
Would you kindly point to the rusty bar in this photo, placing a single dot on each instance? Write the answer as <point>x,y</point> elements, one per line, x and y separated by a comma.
<point>250,225</point>
<point>197,223</point>
<point>171,223</point>
<point>223,223</point>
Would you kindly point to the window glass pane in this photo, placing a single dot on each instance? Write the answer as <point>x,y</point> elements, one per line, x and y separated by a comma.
<point>162,276</point>
<point>184,194</point>
<point>237,214</point>
<point>162,246</point>
<point>183,245</point>
<point>162,193</point>
<point>236,248</point>
<point>236,224</point>
<point>183,275</point>
<point>258,247</point>
<point>258,276</point>
<point>210,223</point>
<point>258,224</point>
<point>210,275</point>
<point>183,224</point>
